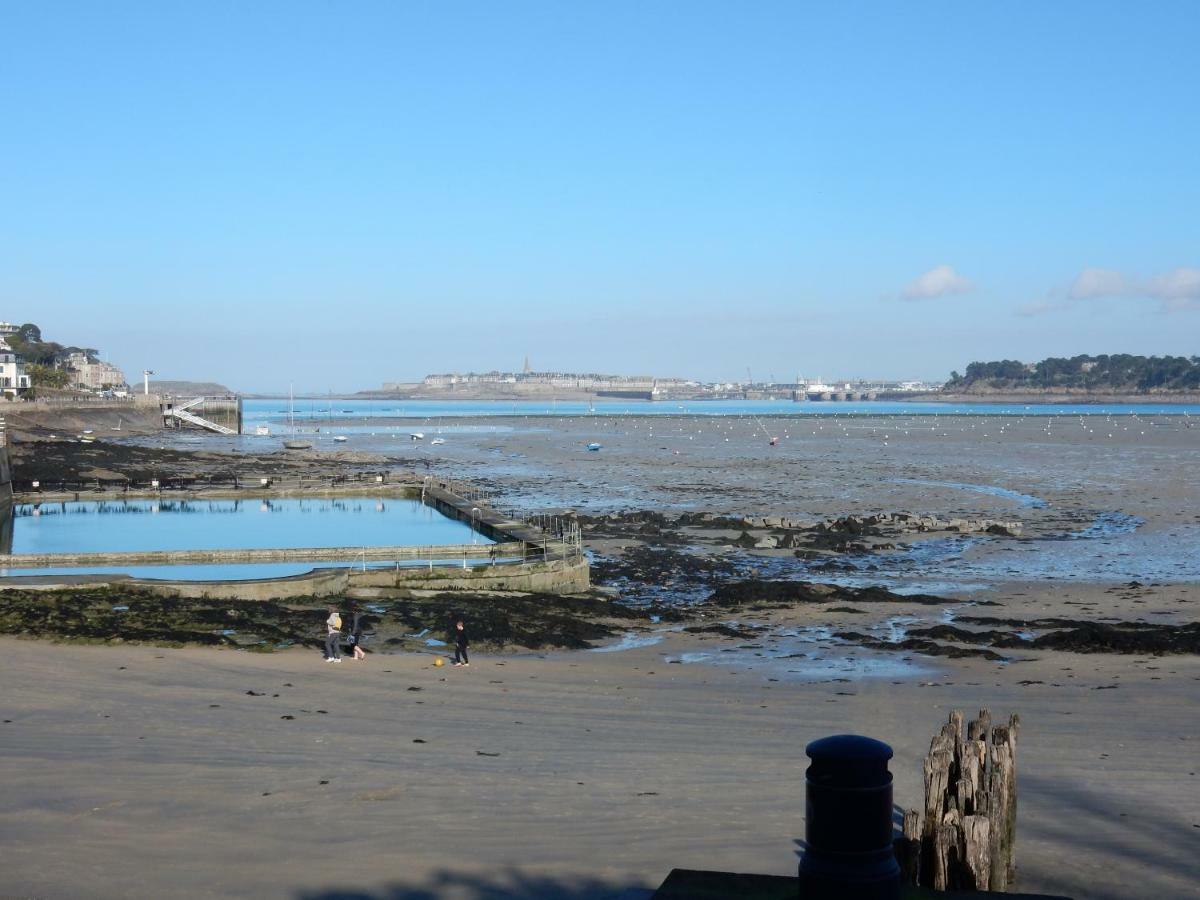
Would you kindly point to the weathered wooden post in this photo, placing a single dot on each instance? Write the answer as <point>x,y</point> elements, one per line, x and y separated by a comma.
<point>848,809</point>
<point>968,836</point>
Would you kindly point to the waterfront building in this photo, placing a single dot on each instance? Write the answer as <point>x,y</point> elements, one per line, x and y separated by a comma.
<point>14,381</point>
<point>94,374</point>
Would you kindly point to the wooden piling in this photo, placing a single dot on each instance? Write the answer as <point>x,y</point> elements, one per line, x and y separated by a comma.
<point>966,838</point>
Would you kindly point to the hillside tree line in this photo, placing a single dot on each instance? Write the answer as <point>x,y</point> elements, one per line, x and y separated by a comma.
<point>1122,373</point>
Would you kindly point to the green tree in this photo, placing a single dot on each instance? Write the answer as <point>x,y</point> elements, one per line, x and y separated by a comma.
<point>45,376</point>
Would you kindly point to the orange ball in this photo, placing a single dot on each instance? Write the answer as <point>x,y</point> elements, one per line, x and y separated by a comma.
<point>439,662</point>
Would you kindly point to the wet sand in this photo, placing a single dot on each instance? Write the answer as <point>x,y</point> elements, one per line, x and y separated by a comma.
<point>142,772</point>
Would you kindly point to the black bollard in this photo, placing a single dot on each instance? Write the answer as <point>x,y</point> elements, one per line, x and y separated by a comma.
<point>848,808</point>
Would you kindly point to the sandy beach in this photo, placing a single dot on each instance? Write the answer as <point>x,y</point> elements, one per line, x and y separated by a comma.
<point>142,772</point>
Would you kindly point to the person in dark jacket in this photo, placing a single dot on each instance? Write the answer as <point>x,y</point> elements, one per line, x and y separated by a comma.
<point>460,643</point>
<point>355,637</point>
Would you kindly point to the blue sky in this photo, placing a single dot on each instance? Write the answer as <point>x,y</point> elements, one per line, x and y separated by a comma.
<point>339,194</point>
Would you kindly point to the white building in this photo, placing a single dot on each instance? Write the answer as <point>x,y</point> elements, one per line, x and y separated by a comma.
<point>13,380</point>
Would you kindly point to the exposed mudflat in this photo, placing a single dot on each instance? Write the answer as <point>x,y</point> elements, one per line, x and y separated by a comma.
<point>116,463</point>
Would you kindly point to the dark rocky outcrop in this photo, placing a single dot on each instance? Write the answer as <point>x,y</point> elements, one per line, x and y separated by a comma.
<point>918,645</point>
<point>741,593</point>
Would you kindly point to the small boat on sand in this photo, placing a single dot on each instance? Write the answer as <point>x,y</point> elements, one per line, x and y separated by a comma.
<point>594,447</point>
<point>417,436</point>
<point>437,441</point>
<point>297,445</point>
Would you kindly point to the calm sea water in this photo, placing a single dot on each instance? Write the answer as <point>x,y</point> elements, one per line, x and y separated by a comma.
<point>276,412</point>
<point>111,526</point>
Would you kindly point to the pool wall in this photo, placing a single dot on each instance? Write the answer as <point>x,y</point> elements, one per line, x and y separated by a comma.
<point>261,555</point>
<point>546,564</point>
<point>567,575</point>
<point>6,491</point>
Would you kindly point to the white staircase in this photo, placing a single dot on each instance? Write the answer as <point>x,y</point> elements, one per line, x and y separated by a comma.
<point>181,413</point>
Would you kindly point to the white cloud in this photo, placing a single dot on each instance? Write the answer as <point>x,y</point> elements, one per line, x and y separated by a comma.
<point>940,281</point>
<point>1176,290</point>
<point>1040,307</point>
<point>1099,283</point>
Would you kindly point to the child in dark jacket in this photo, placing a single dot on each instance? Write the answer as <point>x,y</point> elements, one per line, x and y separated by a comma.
<point>355,638</point>
<point>460,644</point>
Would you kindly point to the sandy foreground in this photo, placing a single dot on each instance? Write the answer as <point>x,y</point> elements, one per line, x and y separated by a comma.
<point>146,772</point>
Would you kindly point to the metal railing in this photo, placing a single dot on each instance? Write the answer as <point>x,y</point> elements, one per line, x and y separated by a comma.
<point>235,481</point>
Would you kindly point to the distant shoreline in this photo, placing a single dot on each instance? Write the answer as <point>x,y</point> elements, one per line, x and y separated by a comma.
<point>1179,397</point>
<point>569,396</point>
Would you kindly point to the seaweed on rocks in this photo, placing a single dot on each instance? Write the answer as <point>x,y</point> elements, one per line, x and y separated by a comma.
<point>530,621</point>
<point>855,525</point>
<point>644,521</point>
<point>1101,637</point>
<point>919,645</point>
<point>966,636</point>
<point>1072,635</point>
<point>741,593</point>
<point>127,615</point>
<point>653,565</point>
<point>834,542</point>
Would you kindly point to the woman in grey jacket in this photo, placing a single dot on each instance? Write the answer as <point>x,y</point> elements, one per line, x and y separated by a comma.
<point>333,636</point>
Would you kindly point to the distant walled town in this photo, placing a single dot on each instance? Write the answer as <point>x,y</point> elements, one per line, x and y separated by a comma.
<point>577,385</point>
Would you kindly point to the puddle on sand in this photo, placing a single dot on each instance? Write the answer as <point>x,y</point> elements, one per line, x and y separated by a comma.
<point>811,653</point>
<point>630,641</point>
<point>794,665</point>
<point>1105,525</point>
<point>1027,501</point>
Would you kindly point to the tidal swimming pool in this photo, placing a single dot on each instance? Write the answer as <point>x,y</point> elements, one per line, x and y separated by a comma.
<point>111,526</point>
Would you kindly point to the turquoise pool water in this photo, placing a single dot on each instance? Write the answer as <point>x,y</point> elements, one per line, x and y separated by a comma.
<point>121,525</point>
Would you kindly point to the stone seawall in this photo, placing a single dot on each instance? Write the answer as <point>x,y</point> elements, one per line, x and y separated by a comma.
<point>262,555</point>
<point>6,489</point>
<point>556,576</point>
<point>6,499</point>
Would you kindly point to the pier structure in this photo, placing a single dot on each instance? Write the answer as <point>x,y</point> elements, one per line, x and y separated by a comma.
<point>222,415</point>
<point>832,396</point>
